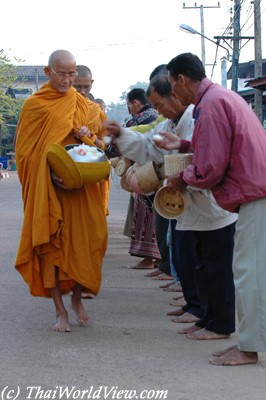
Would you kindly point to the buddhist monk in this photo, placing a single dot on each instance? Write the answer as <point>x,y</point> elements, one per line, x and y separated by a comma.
<point>83,84</point>
<point>64,232</point>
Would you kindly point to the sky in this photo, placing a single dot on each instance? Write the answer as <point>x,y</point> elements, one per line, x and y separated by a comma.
<point>121,41</point>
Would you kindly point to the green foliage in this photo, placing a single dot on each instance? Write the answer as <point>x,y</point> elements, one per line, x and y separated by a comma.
<point>139,85</point>
<point>117,112</point>
<point>9,107</point>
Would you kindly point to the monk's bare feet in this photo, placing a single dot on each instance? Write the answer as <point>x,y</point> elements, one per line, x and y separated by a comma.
<point>82,316</point>
<point>204,334</point>
<point>146,263</point>
<point>189,329</point>
<point>62,323</point>
<point>220,353</point>
<point>235,357</point>
<point>177,312</point>
<point>186,318</point>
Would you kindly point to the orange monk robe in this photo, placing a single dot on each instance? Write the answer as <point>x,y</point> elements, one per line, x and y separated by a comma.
<point>63,228</point>
<point>105,184</point>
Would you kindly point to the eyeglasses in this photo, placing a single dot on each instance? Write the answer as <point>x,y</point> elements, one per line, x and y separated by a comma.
<point>63,75</point>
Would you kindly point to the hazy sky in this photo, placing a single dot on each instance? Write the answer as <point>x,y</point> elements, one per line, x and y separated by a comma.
<point>121,41</point>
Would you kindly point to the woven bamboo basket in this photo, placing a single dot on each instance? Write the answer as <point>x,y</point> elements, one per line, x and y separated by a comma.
<point>122,166</point>
<point>114,161</point>
<point>170,203</point>
<point>175,163</point>
<point>147,177</point>
<point>124,184</point>
<point>160,171</point>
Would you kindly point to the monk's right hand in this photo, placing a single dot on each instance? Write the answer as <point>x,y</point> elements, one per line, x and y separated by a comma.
<point>112,128</point>
<point>57,181</point>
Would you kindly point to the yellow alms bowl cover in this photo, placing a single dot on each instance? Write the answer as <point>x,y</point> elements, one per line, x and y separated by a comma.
<point>63,166</point>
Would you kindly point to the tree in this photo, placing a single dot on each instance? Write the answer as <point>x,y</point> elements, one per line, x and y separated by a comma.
<point>9,107</point>
<point>139,85</point>
<point>118,111</point>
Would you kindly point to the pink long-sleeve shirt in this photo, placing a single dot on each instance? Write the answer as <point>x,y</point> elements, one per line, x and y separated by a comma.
<point>229,145</point>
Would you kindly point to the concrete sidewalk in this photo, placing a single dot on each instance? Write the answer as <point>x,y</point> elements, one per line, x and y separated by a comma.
<point>130,343</point>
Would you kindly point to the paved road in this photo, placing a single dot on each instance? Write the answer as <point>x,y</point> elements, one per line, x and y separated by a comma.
<point>130,343</point>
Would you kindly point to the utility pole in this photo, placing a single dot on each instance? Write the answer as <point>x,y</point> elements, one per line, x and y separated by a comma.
<point>202,27</point>
<point>224,71</point>
<point>258,59</point>
<point>235,38</point>
<point>236,46</point>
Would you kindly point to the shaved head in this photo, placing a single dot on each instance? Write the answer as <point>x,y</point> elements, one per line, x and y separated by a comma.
<point>84,71</point>
<point>61,70</point>
<point>61,56</point>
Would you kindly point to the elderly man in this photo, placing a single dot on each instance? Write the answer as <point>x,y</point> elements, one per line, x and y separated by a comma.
<point>234,168</point>
<point>64,233</point>
<point>203,226</point>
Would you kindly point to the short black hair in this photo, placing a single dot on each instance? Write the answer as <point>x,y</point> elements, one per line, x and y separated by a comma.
<point>187,64</point>
<point>159,70</point>
<point>161,85</point>
<point>137,94</point>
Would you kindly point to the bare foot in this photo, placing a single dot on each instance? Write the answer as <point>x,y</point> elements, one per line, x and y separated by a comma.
<point>174,287</point>
<point>220,353</point>
<point>62,323</point>
<point>146,263</point>
<point>204,334</point>
<point>77,307</point>
<point>178,303</point>
<point>154,273</point>
<point>235,357</point>
<point>189,329</point>
<point>166,285</point>
<point>163,277</point>
<point>179,296</point>
<point>174,313</point>
<point>186,318</point>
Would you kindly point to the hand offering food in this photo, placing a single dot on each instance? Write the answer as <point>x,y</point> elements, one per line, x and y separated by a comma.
<point>157,137</point>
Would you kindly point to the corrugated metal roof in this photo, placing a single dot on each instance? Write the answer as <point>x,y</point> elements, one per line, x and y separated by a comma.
<point>247,69</point>
<point>257,83</point>
<point>30,72</point>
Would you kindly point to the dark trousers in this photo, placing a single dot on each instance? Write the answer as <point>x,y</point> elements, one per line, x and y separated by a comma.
<point>214,277</point>
<point>185,265</point>
<point>161,237</point>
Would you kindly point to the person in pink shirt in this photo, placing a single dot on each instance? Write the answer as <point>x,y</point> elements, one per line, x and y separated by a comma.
<point>229,146</point>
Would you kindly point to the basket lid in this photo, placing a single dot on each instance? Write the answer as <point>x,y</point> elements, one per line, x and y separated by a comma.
<point>169,203</point>
<point>64,166</point>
